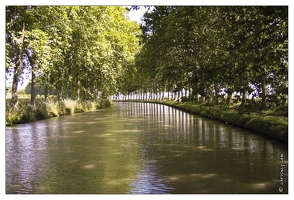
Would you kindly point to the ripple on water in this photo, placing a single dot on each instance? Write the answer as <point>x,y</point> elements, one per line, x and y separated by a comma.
<point>90,166</point>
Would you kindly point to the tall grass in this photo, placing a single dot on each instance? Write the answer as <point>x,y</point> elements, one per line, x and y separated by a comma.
<point>26,112</point>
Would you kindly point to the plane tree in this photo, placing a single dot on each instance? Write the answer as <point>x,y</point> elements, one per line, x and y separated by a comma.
<point>217,50</point>
<point>81,51</point>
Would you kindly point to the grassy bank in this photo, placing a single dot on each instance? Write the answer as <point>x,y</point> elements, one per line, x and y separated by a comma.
<point>42,110</point>
<point>273,126</point>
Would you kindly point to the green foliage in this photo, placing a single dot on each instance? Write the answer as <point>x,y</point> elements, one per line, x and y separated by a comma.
<point>40,90</point>
<point>215,51</point>
<point>41,111</point>
<point>86,52</point>
<point>12,116</point>
<point>80,51</point>
<point>52,108</point>
<point>26,113</point>
<point>104,103</point>
<point>278,111</point>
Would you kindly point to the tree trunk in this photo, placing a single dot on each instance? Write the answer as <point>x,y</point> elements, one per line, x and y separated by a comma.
<point>190,94</point>
<point>17,71</point>
<point>95,91</point>
<point>263,95</point>
<point>18,66</point>
<point>197,97</point>
<point>244,97</point>
<point>47,88</point>
<point>202,99</point>
<point>209,99</point>
<point>59,91</point>
<point>216,93</point>
<point>33,86</point>
<point>229,98</point>
<point>33,81</point>
<point>78,90</point>
<point>142,94</point>
<point>70,79</point>
<point>46,93</point>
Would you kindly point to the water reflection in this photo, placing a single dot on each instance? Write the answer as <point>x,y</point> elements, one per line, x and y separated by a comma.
<point>148,181</point>
<point>237,157</point>
<point>140,148</point>
<point>24,160</point>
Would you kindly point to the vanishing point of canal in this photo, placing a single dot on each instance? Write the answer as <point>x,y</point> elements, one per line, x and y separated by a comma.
<point>141,148</point>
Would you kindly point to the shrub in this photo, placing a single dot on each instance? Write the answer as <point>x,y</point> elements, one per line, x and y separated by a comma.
<point>41,111</point>
<point>26,112</point>
<point>78,108</point>
<point>12,119</point>
<point>69,106</point>
<point>107,103</point>
<point>61,108</point>
<point>87,105</point>
<point>52,108</point>
<point>12,116</point>
<point>96,105</point>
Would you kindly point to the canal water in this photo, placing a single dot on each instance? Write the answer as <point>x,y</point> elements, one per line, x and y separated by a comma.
<point>141,148</point>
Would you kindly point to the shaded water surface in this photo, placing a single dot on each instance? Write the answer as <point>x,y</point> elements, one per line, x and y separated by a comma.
<point>141,148</point>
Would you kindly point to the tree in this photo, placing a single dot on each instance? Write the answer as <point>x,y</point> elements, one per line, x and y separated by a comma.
<point>16,24</point>
<point>214,49</point>
<point>81,51</point>
<point>260,35</point>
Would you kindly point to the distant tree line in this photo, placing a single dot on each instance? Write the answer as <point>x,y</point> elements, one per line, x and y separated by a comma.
<point>40,90</point>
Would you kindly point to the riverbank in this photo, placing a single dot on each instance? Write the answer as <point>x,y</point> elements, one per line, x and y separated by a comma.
<point>275,127</point>
<point>42,110</point>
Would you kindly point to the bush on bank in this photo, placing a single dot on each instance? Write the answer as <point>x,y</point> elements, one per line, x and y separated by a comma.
<point>25,113</point>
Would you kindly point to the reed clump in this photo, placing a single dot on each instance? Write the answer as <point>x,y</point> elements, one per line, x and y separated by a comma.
<point>26,112</point>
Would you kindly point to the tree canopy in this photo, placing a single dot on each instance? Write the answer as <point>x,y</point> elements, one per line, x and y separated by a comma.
<point>80,50</point>
<point>194,51</point>
<point>213,51</point>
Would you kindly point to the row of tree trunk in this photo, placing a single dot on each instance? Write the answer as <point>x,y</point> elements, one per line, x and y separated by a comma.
<point>187,96</point>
